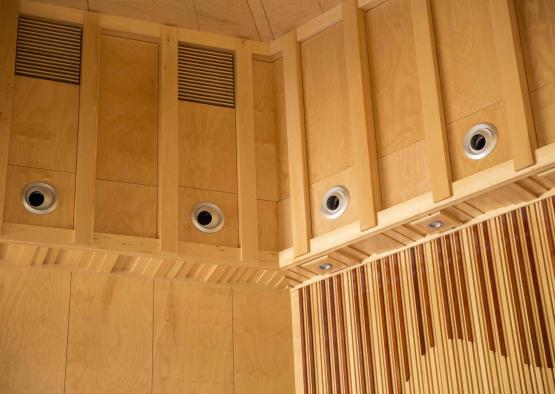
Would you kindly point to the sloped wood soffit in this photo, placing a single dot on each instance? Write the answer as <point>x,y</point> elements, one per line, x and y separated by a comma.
<point>262,20</point>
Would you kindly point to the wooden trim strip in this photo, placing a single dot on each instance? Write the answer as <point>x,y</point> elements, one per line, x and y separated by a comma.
<point>437,149</point>
<point>246,161</point>
<point>296,145</point>
<point>365,156</point>
<point>85,175</point>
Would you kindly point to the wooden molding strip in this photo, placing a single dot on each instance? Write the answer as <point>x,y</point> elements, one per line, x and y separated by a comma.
<point>168,163</point>
<point>513,77</point>
<point>296,144</point>
<point>437,149</point>
<point>246,161</point>
<point>8,37</point>
<point>85,176</point>
<point>361,115</point>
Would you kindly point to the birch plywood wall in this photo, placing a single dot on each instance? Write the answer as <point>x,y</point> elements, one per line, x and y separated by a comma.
<point>468,312</point>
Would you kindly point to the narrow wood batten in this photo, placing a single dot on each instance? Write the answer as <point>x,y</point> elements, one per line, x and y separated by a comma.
<point>437,149</point>
<point>168,138</point>
<point>296,144</point>
<point>522,133</point>
<point>85,176</point>
<point>9,11</point>
<point>367,179</point>
<point>246,161</point>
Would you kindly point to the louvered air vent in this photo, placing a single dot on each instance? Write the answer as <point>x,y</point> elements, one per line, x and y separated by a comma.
<point>48,50</point>
<point>206,76</point>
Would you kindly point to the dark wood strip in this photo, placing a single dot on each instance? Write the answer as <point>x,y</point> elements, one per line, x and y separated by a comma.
<point>390,311</point>
<point>342,333</point>
<point>494,291</point>
<point>526,288</point>
<point>427,302</point>
<point>402,324</point>
<point>444,292</point>
<point>464,288</point>
<point>536,286</point>
<point>366,314</point>
<point>358,331</point>
<point>416,288</point>
<point>310,338</point>
<point>483,288</point>
<point>454,291</point>
<point>334,335</point>
<point>325,323</point>
<point>303,340</point>
<point>514,288</point>
<point>385,335</point>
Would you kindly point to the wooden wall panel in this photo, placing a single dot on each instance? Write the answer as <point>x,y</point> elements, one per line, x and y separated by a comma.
<point>193,341</point>
<point>33,330</point>
<point>268,225</point>
<point>44,124</point>
<point>285,238</point>
<point>110,335</point>
<point>125,208</point>
<point>328,137</point>
<point>62,182</point>
<point>128,111</point>
<point>207,147</point>
<point>227,236</point>
<point>280,122</point>
<point>262,319</point>
<point>543,105</point>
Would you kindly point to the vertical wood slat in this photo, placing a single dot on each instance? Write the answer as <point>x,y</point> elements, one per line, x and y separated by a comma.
<point>168,174</point>
<point>361,115</point>
<point>439,164</point>
<point>510,61</point>
<point>246,163</point>
<point>85,176</point>
<point>296,144</point>
<point>8,36</point>
<point>298,356</point>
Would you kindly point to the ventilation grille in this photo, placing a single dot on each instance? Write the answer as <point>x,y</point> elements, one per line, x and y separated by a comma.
<point>48,50</point>
<point>206,76</point>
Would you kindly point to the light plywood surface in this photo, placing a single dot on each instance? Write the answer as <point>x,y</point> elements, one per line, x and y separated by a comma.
<point>33,316</point>
<point>110,335</point>
<point>125,208</point>
<point>328,137</point>
<point>193,342</point>
<point>268,225</point>
<point>226,17</point>
<point>128,111</point>
<point>261,320</point>
<point>227,236</point>
<point>284,15</point>
<point>62,182</point>
<point>281,127</point>
<point>285,237</point>
<point>543,105</point>
<point>44,124</point>
<point>207,147</point>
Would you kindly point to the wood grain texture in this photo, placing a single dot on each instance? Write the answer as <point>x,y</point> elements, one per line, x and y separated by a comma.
<point>284,16</point>
<point>285,237</point>
<point>85,177</point>
<point>268,225</point>
<point>33,315</point>
<point>110,342</point>
<point>227,236</point>
<point>543,105</point>
<point>125,208</point>
<point>226,17</point>
<point>328,137</point>
<point>261,320</point>
<point>62,182</point>
<point>44,124</point>
<point>193,342</point>
<point>260,20</point>
<point>281,129</point>
<point>207,153</point>
<point>128,111</point>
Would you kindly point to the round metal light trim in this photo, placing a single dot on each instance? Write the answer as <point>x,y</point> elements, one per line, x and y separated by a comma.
<point>207,217</point>
<point>325,266</point>
<point>480,140</point>
<point>436,224</point>
<point>335,202</point>
<point>39,198</point>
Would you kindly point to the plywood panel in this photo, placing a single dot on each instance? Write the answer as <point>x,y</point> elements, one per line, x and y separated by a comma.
<point>328,137</point>
<point>110,335</point>
<point>62,182</point>
<point>467,59</point>
<point>267,155</point>
<point>543,105</point>
<point>284,15</point>
<point>320,224</point>
<point>207,147</point>
<point>536,20</point>
<point>462,166</point>
<point>81,4</point>
<point>262,337</point>
<point>193,342</point>
<point>285,238</point>
<point>44,124</point>
<point>268,225</point>
<point>280,122</point>
<point>227,236</point>
<point>33,320</point>
<point>128,111</point>
<point>394,75</point>
<point>404,174</point>
<point>226,17</point>
<point>125,208</point>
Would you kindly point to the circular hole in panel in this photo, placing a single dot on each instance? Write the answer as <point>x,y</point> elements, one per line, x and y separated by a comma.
<point>480,141</point>
<point>325,266</point>
<point>207,217</point>
<point>335,202</point>
<point>39,198</point>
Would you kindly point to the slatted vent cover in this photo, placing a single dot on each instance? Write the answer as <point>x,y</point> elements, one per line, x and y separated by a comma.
<point>48,50</point>
<point>206,76</point>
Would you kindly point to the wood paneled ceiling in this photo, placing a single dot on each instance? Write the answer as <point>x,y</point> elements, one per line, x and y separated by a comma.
<point>262,20</point>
